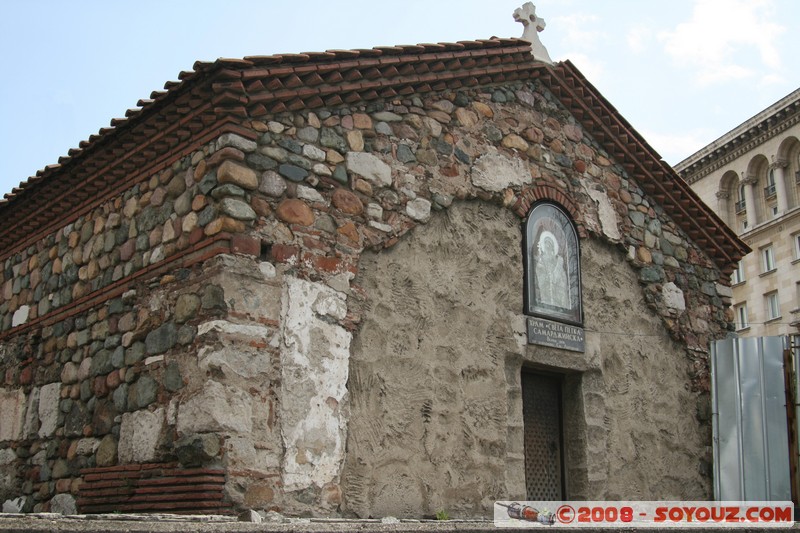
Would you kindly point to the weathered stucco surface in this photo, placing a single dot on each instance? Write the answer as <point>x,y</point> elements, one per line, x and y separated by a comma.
<point>435,378</point>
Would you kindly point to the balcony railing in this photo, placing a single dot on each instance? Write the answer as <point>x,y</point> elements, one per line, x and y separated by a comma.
<point>741,207</point>
<point>769,191</point>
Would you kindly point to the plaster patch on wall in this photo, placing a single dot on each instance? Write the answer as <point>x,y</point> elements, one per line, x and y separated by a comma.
<point>314,369</point>
<point>495,172</point>
<point>606,214</point>
<point>12,413</point>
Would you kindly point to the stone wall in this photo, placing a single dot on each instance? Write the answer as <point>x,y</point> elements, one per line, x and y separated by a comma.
<point>211,314</point>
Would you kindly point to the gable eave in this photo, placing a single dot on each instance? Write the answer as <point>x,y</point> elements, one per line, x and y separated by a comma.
<point>658,179</point>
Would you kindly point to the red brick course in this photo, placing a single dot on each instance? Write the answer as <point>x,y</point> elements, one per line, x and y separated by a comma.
<point>152,488</point>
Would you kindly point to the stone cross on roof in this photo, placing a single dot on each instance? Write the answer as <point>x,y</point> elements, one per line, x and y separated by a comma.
<point>533,25</point>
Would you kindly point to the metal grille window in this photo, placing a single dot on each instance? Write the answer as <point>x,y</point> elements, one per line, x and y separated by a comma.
<point>541,412</point>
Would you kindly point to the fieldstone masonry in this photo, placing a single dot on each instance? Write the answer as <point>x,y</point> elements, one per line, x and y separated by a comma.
<point>247,307</point>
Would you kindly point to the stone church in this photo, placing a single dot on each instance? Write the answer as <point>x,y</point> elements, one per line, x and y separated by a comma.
<point>360,283</point>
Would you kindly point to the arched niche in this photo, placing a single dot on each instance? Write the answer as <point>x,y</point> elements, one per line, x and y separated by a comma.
<point>552,265</point>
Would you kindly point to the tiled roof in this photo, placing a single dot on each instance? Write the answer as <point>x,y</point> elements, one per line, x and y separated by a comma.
<point>216,96</point>
<point>659,180</point>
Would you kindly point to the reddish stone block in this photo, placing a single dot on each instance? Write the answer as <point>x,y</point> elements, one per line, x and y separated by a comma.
<point>349,231</point>
<point>579,166</point>
<point>226,154</point>
<point>315,244</point>
<point>63,485</point>
<point>113,380</point>
<point>261,207</point>
<point>451,170</point>
<point>283,253</point>
<point>323,263</point>
<point>244,244</point>
<point>196,235</point>
<point>347,202</point>
<point>294,211</point>
<point>26,376</point>
<point>99,387</point>
<point>127,249</point>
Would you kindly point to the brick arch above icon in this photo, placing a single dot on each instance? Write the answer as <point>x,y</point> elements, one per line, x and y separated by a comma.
<point>543,192</point>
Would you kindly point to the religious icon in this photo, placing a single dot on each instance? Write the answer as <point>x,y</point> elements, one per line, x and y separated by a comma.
<point>551,275</point>
<point>553,287</point>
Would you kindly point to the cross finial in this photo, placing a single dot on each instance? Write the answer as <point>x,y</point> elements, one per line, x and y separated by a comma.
<point>533,25</point>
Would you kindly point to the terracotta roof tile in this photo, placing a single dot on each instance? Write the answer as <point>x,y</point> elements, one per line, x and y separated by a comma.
<point>257,85</point>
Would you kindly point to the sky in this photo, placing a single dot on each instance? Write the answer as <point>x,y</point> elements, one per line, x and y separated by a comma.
<point>682,72</point>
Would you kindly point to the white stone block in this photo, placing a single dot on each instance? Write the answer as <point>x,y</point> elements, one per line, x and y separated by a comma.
<point>370,168</point>
<point>234,359</point>
<point>139,435</point>
<point>216,408</point>
<point>29,428</point>
<point>49,397</point>
<point>310,194</point>
<point>314,153</point>
<point>20,316</point>
<point>63,504</point>
<point>673,297</point>
<point>419,209</point>
<point>14,505</point>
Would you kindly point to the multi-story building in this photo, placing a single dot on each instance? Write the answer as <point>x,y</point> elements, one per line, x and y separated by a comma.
<point>751,178</point>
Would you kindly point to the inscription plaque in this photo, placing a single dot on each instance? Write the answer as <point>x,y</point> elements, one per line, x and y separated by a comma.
<point>555,334</point>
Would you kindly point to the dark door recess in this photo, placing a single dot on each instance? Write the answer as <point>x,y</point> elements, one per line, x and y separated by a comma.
<point>541,413</point>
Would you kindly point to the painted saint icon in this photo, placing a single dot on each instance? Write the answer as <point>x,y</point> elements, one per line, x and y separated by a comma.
<point>551,274</point>
<point>552,265</point>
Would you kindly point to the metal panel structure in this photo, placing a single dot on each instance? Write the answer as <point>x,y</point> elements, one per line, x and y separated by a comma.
<point>792,361</point>
<point>541,412</point>
<point>751,441</point>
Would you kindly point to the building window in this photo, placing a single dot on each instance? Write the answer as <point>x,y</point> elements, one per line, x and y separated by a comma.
<point>741,316</point>
<point>796,245</point>
<point>738,274</point>
<point>772,305</point>
<point>769,190</point>
<point>741,205</point>
<point>774,211</point>
<point>796,297</point>
<point>767,259</point>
